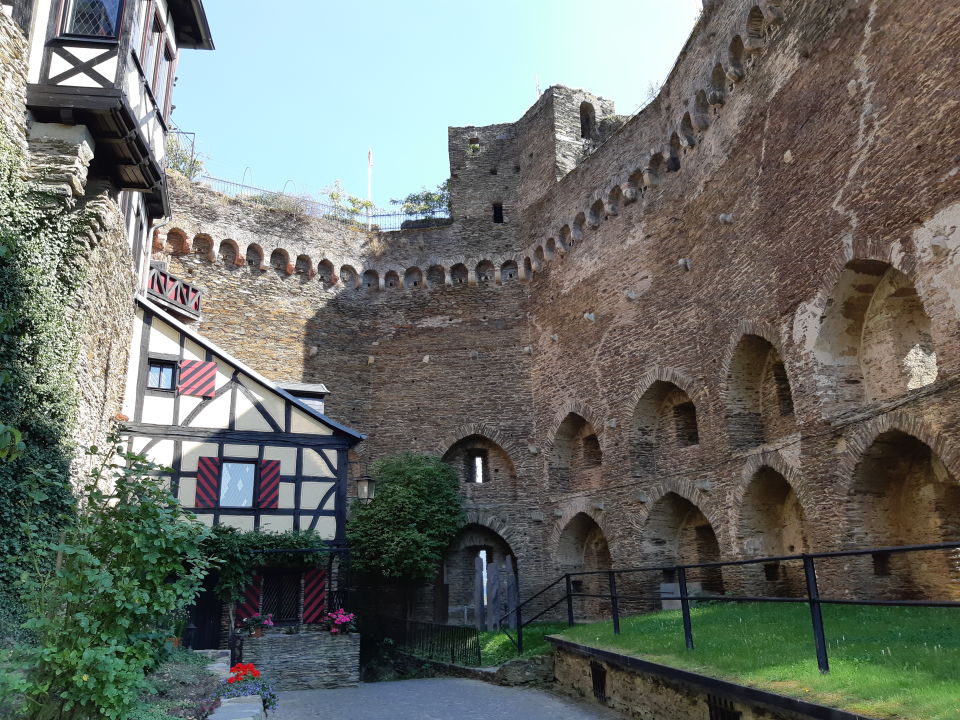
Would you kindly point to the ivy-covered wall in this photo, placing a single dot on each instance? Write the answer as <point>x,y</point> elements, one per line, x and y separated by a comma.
<point>65,309</point>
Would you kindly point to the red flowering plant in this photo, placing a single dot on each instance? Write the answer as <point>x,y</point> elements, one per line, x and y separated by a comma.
<point>245,680</point>
<point>242,671</point>
<point>341,621</point>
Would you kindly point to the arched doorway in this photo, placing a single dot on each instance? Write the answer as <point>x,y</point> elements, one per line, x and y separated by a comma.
<point>583,548</point>
<point>459,590</point>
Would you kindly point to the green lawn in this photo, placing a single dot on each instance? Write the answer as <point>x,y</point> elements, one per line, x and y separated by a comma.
<point>884,662</point>
<point>496,648</point>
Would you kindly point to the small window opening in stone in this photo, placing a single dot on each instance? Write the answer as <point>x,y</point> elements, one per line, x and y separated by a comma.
<point>498,212</point>
<point>881,564</point>
<point>473,145</point>
<point>669,575</point>
<point>477,467</point>
<point>493,171</point>
<point>482,554</point>
<point>588,120</point>
<point>576,586</point>
<point>685,422</point>
<point>784,399</point>
<point>772,571</point>
<point>516,168</point>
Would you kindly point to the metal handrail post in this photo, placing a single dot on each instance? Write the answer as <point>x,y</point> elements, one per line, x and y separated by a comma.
<point>816,614</point>
<point>519,632</point>
<point>569,600</point>
<point>614,603</point>
<point>685,607</point>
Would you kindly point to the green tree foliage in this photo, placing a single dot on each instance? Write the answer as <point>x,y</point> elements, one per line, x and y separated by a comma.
<point>183,158</point>
<point>426,201</point>
<point>348,207</point>
<point>403,532</point>
<point>102,599</point>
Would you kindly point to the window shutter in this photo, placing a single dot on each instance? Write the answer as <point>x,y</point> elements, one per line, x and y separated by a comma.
<point>314,595</point>
<point>249,604</point>
<point>198,378</point>
<point>208,482</point>
<point>269,484</point>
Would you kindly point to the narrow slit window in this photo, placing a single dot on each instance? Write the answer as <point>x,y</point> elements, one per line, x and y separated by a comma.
<point>236,484</point>
<point>160,375</point>
<point>477,471</point>
<point>498,212</point>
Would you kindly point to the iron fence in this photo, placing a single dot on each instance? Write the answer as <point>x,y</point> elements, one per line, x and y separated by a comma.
<point>431,641</point>
<point>611,589</point>
<point>376,219</point>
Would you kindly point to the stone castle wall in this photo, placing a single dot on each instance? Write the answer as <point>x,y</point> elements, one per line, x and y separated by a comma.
<point>714,315</point>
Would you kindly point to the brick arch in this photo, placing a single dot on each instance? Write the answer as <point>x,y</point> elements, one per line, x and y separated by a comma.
<point>572,406</point>
<point>748,327</point>
<point>509,446</point>
<point>772,459</point>
<point>178,241</point>
<point>660,373</point>
<point>229,245</point>
<point>567,512</point>
<point>864,436</point>
<point>496,524</point>
<point>686,489</point>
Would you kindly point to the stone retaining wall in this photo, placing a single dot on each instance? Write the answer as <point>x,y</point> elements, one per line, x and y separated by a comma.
<point>306,661</point>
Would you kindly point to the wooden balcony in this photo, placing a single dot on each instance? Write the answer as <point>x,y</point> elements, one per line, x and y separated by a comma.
<point>174,294</point>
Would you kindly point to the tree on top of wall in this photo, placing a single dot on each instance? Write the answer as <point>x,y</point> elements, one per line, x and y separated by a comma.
<point>402,533</point>
<point>426,201</point>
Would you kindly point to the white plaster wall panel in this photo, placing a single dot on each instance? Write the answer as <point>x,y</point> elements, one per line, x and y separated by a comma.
<point>311,494</point>
<point>164,339</point>
<point>301,423</point>
<point>162,453</point>
<point>273,404</point>
<point>248,417</point>
<point>38,38</point>
<point>139,443</point>
<point>206,519</point>
<point>131,390</point>
<point>247,451</point>
<point>276,523</point>
<point>188,403</point>
<point>326,526</point>
<point>193,351</point>
<point>224,372</point>
<point>188,492</point>
<point>287,496</point>
<point>241,522</point>
<point>332,457</point>
<point>331,503</point>
<point>215,415</point>
<point>286,456</point>
<point>314,465</point>
<point>158,410</point>
<point>190,451</point>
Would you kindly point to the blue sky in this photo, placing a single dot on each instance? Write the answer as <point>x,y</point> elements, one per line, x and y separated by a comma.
<point>298,90</point>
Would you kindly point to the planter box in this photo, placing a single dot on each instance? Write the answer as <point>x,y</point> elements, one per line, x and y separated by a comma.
<point>307,661</point>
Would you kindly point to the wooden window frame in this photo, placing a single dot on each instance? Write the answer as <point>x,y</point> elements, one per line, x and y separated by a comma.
<point>67,5</point>
<point>160,359</point>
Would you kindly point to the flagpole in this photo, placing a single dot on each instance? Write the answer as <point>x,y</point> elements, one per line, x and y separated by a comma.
<point>370,189</point>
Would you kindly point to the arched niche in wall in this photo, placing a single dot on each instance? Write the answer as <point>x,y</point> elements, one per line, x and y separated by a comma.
<point>176,241</point>
<point>326,273</point>
<point>479,460</point>
<point>254,258</point>
<point>349,277</point>
<point>413,278</point>
<point>597,213</point>
<point>303,267</point>
<point>615,200</point>
<point>228,253</point>
<point>371,280</point>
<point>771,524</point>
<point>875,339</point>
<point>588,121</point>
<point>459,274</point>
<point>280,261</point>
<point>203,246</point>
<point>759,401</point>
<point>509,272</point>
<point>678,533</point>
<point>391,280</point>
<point>455,598</point>
<point>539,254</point>
<point>903,494</point>
<point>486,273</point>
<point>576,458</point>
<point>550,249</point>
<point>718,86</point>
<point>664,424</point>
<point>735,60</point>
<point>436,276</point>
<point>583,547</point>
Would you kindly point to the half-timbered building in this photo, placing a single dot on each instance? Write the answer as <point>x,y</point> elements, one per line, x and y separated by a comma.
<point>240,451</point>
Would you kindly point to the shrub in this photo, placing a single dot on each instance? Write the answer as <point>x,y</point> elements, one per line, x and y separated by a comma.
<point>100,599</point>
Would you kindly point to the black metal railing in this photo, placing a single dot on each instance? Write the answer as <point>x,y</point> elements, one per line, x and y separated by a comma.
<point>431,641</point>
<point>615,587</point>
<point>374,219</point>
<point>173,291</point>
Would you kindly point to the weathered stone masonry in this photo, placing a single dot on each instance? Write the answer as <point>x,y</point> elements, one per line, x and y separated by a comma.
<point>726,326</point>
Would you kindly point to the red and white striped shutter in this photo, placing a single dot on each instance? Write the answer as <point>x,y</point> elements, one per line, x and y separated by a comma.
<point>198,378</point>
<point>269,484</point>
<point>314,595</point>
<point>208,482</point>
<point>249,604</point>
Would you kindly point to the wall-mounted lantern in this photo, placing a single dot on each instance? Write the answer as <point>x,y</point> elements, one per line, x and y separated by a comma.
<point>366,488</point>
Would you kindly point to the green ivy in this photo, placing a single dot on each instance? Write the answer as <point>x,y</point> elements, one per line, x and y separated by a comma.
<point>43,245</point>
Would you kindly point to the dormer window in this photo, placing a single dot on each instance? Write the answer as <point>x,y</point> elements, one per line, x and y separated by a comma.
<point>92,18</point>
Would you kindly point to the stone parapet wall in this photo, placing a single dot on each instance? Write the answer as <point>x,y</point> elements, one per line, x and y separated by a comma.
<point>305,661</point>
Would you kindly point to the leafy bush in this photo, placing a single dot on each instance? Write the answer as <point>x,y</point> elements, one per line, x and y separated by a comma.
<point>426,201</point>
<point>99,598</point>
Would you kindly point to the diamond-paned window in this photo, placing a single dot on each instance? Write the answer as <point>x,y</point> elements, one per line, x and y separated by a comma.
<point>93,18</point>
